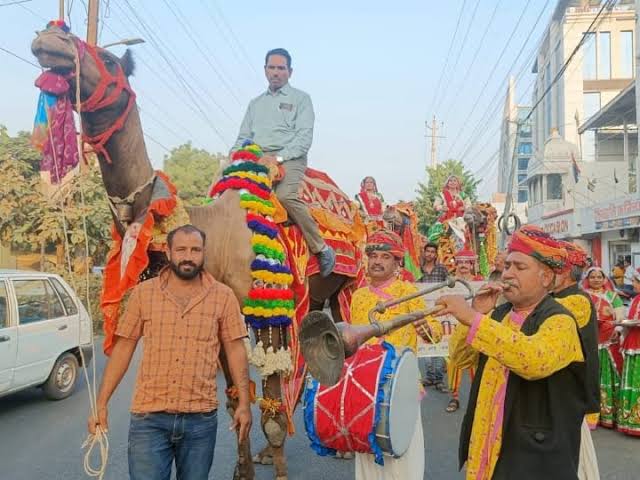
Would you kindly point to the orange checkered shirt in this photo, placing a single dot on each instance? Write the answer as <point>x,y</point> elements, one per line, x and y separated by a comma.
<point>181,346</point>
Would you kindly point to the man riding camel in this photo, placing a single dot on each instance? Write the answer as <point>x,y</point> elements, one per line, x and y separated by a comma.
<point>280,120</point>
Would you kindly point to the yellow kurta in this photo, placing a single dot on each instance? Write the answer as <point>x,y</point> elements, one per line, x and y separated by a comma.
<point>552,348</point>
<point>364,299</point>
<point>580,307</point>
<point>411,465</point>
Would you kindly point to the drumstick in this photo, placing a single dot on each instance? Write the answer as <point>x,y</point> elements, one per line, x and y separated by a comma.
<point>427,334</point>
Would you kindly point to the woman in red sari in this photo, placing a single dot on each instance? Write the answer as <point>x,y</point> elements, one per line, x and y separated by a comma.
<point>609,308</point>
<point>451,202</point>
<point>629,408</point>
<point>371,202</point>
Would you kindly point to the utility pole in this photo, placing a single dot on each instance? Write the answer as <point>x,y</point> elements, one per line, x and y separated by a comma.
<point>508,202</point>
<point>434,135</point>
<point>61,10</point>
<point>92,22</point>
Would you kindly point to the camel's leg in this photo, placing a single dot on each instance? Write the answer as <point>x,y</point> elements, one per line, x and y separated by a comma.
<point>274,423</point>
<point>244,466</point>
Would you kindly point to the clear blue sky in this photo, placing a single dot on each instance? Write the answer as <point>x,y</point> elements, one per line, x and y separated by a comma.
<point>370,67</point>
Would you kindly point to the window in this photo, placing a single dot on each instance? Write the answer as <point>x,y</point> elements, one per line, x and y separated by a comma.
<point>36,301</point>
<point>523,163</point>
<point>522,195</point>
<point>604,57</point>
<point>591,107</point>
<point>589,65</point>
<point>522,177</point>
<point>554,186</point>
<point>4,305</point>
<point>525,148</point>
<point>67,301</point>
<point>626,54</point>
<point>591,104</point>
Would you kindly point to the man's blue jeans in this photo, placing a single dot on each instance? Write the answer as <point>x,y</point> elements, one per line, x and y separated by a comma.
<point>157,439</point>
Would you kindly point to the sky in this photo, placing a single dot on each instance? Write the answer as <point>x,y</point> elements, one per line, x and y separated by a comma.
<point>376,71</point>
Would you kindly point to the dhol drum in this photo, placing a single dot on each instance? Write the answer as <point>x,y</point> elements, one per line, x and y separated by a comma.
<point>372,409</point>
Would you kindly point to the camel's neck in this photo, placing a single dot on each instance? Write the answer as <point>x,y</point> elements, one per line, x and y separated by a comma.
<point>130,166</point>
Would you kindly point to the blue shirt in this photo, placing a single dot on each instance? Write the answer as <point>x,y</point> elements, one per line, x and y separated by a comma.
<point>279,122</point>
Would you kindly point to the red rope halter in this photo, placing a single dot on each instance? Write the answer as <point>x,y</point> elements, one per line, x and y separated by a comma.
<point>101,99</point>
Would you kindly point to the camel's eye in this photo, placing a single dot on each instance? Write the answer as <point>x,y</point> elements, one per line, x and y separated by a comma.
<point>108,62</point>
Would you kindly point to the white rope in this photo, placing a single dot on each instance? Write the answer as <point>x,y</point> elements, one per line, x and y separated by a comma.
<point>100,438</point>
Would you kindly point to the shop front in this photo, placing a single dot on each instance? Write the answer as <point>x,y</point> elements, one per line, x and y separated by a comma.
<point>617,222</point>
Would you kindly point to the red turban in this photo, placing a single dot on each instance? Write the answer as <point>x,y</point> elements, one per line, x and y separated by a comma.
<point>386,241</point>
<point>533,241</point>
<point>576,256</point>
<point>466,254</point>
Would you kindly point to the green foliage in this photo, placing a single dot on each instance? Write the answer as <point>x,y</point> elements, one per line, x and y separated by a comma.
<point>30,219</point>
<point>192,170</point>
<point>427,193</point>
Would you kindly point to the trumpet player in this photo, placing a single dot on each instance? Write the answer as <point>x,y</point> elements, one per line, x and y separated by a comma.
<point>529,396</point>
<point>385,252</point>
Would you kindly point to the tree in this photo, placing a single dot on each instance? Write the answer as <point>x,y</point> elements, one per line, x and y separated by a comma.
<point>437,176</point>
<point>192,170</point>
<point>30,220</point>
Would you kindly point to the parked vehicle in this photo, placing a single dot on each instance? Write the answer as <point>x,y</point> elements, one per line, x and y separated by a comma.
<point>45,332</point>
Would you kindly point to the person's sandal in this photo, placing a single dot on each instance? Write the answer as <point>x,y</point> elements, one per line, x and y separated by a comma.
<point>453,405</point>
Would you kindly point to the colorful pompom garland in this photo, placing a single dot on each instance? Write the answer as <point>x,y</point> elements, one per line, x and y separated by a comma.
<point>270,302</point>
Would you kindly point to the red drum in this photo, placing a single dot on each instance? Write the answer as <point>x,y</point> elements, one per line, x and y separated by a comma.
<point>372,409</point>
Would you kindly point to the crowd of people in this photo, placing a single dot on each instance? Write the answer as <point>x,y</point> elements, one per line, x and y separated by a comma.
<point>618,338</point>
<point>542,341</point>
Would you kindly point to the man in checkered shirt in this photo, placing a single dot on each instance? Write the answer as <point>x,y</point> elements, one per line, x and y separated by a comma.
<point>184,316</point>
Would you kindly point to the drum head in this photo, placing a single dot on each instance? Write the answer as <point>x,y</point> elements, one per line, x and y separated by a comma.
<point>404,403</point>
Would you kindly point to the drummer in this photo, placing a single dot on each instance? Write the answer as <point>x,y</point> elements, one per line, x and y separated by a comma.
<point>385,252</point>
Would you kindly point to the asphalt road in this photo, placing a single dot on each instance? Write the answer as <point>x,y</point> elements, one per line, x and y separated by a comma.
<point>40,439</point>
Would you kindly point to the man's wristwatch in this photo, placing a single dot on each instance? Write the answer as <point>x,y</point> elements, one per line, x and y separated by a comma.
<point>279,159</point>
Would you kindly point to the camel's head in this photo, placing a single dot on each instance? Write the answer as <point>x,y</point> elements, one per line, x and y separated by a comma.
<point>480,216</point>
<point>393,218</point>
<point>57,50</point>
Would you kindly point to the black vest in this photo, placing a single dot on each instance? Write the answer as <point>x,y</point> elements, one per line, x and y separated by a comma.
<point>589,335</point>
<point>542,418</point>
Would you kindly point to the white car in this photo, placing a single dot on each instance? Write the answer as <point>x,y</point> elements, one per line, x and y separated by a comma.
<point>45,332</point>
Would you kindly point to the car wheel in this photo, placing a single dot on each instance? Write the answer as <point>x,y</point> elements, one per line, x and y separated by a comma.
<point>63,377</point>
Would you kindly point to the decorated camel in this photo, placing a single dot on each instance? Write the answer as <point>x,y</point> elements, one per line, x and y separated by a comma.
<point>463,225</point>
<point>401,219</point>
<point>265,262</point>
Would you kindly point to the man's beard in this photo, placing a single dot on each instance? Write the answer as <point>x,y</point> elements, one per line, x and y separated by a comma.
<point>186,274</point>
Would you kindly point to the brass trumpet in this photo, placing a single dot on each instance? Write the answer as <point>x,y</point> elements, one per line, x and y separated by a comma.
<point>325,344</point>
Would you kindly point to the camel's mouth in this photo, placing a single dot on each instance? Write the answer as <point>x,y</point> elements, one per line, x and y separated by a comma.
<point>58,62</point>
<point>54,50</point>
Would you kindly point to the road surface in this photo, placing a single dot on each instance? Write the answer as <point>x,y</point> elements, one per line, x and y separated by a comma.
<point>42,439</point>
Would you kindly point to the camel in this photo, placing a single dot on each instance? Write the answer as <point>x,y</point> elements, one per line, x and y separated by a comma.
<point>126,173</point>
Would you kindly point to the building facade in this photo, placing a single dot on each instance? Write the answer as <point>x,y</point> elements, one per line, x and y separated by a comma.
<point>580,167</point>
<point>599,71</point>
